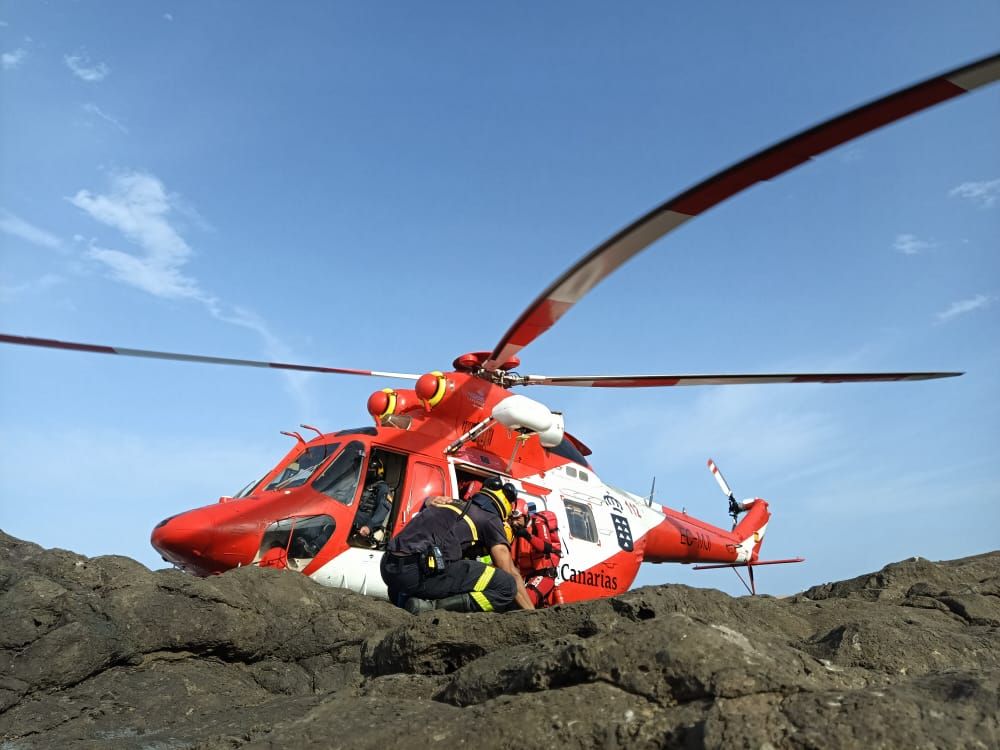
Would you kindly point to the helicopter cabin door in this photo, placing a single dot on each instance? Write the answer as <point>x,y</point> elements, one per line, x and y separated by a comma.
<point>424,479</point>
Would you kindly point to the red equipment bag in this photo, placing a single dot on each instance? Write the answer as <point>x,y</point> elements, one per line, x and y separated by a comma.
<point>548,519</point>
<point>543,550</point>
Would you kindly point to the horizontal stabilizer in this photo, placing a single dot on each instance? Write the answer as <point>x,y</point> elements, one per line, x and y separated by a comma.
<point>750,564</point>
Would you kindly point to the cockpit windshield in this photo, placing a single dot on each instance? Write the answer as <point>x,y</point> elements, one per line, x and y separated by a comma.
<point>299,469</point>
<point>340,479</point>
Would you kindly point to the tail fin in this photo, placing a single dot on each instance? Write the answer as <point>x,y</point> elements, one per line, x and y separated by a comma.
<point>750,530</point>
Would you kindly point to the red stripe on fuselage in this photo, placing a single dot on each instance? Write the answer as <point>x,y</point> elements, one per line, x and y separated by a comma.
<point>608,578</point>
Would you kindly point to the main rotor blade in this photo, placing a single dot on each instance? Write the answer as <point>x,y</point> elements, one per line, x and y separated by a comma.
<point>148,354</point>
<point>603,260</point>
<point>661,381</point>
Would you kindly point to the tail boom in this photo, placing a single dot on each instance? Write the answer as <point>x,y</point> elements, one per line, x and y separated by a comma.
<point>679,538</point>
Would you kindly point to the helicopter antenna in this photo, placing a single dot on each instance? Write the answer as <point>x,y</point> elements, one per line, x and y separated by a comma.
<point>310,427</point>
<point>295,435</point>
<point>652,491</point>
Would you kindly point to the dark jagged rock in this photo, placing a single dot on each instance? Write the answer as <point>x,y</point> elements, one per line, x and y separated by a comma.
<point>102,652</point>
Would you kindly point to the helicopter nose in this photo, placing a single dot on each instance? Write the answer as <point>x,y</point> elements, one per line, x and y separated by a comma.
<point>186,541</point>
<point>208,540</point>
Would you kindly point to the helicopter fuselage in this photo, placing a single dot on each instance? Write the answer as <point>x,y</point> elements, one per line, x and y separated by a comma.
<point>306,506</point>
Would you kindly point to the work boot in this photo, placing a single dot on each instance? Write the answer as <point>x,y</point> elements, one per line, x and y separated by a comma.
<point>415,605</point>
<point>457,603</point>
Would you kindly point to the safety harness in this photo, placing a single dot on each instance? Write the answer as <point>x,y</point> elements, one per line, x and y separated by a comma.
<point>463,513</point>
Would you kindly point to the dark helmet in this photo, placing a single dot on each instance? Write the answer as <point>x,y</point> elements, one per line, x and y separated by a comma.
<point>510,491</point>
<point>503,494</point>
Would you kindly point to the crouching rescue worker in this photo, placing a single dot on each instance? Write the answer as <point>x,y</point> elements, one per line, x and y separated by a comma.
<point>428,560</point>
<point>537,550</point>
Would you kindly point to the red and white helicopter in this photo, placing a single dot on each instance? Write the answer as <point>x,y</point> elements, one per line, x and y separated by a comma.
<point>452,429</point>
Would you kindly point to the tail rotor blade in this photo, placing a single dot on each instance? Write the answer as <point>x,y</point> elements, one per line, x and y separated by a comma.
<point>723,485</point>
<point>734,507</point>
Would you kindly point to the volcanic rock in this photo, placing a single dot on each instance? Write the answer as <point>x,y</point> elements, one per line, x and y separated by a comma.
<point>102,652</point>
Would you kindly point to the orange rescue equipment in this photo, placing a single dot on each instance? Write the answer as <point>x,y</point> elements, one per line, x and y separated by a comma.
<point>536,554</point>
<point>431,388</point>
<point>382,403</point>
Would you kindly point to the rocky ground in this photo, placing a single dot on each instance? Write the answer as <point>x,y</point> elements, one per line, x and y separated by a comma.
<point>104,653</point>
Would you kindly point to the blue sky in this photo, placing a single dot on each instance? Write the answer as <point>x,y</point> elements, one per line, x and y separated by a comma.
<point>387,186</point>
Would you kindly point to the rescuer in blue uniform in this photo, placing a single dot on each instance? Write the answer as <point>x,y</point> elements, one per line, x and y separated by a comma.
<point>428,561</point>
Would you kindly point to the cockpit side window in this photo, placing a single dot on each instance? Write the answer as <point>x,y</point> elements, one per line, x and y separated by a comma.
<point>309,536</point>
<point>276,536</point>
<point>298,541</point>
<point>300,468</point>
<point>339,481</point>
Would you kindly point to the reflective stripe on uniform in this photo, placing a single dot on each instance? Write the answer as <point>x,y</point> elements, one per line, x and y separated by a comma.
<point>477,591</point>
<point>472,524</point>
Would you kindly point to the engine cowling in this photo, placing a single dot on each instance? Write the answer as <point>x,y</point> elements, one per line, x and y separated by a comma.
<point>553,436</point>
<point>523,414</point>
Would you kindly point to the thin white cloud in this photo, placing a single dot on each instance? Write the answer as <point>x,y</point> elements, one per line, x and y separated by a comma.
<point>138,206</point>
<point>296,382</point>
<point>84,70</point>
<point>12,60</point>
<point>909,244</point>
<point>150,274</point>
<point>965,306</point>
<point>984,193</point>
<point>18,227</point>
<point>168,17</point>
<point>93,109</point>
<point>41,284</point>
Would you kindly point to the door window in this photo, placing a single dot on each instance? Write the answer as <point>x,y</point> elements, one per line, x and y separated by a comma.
<point>581,521</point>
<point>425,480</point>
